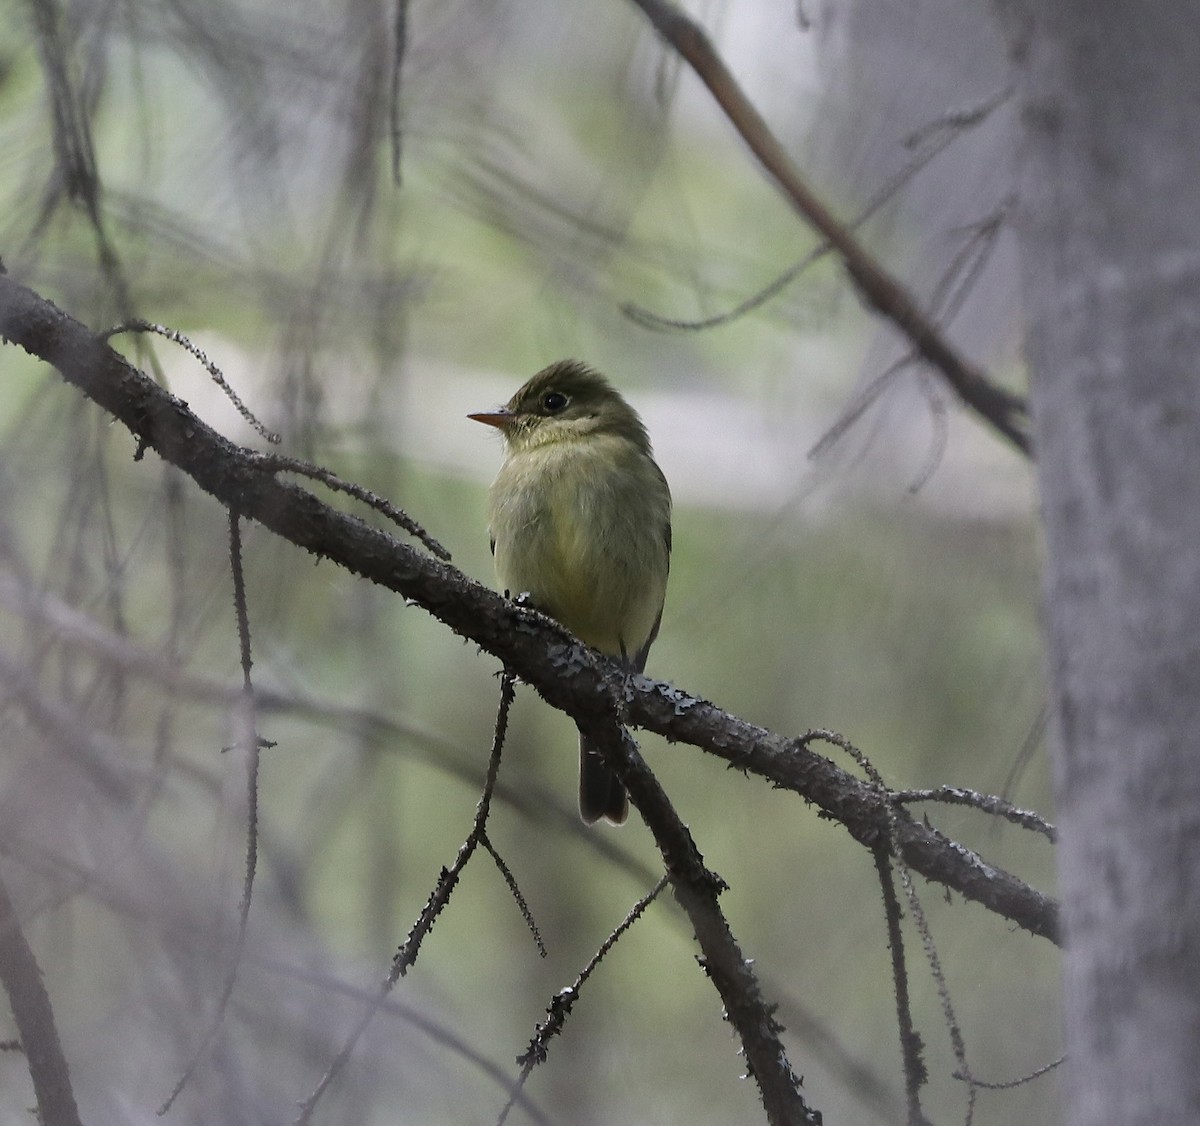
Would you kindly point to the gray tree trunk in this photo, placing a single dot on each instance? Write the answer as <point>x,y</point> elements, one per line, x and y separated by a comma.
<point>1110,246</point>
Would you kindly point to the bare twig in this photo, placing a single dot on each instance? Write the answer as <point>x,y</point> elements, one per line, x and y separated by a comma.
<point>928,151</point>
<point>277,463</point>
<point>561,1004</point>
<point>412,1015</point>
<point>406,956</point>
<point>989,803</point>
<point>955,121</point>
<point>911,1045</point>
<point>218,376</point>
<point>1009,1084</point>
<point>858,407</point>
<point>1028,749</point>
<point>77,176</point>
<point>941,431</point>
<point>950,293</point>
<point>515,891</point>
<point>249,743</point>
<point>696,890</point>
<point>921,922</point>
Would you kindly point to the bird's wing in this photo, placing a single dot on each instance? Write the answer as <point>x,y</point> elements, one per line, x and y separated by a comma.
<point>638,664</point>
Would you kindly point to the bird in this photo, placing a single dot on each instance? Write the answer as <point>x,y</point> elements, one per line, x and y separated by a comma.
<point>579,518</point>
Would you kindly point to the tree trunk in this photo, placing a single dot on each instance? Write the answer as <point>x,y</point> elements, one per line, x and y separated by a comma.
<point>1110,247</point>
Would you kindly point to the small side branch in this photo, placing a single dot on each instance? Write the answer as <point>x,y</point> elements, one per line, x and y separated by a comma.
<point>911,1045</point>
<point>249,743</point>
<point>887,851</point>
<point>277,463</point>
<point>515,891</point>
<point>406,956</point>
<point>988,803</point>
<point>564,1001</point>
<point>215,373</point>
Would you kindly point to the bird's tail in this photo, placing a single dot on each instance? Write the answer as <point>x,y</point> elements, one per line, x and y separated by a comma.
<point>600,792</point>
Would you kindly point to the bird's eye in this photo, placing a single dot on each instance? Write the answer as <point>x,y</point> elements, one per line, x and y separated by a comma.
<point>553,402</point>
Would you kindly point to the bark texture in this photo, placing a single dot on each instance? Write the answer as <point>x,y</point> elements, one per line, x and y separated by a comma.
<point>1110,244</point>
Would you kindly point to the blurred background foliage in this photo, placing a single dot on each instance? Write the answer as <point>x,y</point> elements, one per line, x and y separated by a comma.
<point>557,166</point>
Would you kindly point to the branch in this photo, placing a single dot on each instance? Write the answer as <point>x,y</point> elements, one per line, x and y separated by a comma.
<point>1006,412</point>
<point>696,890</point>
<point>565,673</point>
<point>22,981</point>
<point>564,1001</point>
<point>859,806</point>
<point>911,1045</point>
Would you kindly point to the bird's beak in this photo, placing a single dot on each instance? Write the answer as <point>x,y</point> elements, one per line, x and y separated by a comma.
<point>500,418</point>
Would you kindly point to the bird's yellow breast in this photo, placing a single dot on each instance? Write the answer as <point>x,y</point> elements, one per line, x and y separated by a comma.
<point>583,526</point>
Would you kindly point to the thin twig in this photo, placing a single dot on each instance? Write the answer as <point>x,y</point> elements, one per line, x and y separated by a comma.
<point>561,1004</point>
<point>278,463</point>
<point>651,320</point>
<point>921,922</point>
<point>955,121</point>
<point>856,409</point>
<point>1029,746</point>
<point>960,276</point>
<point>911,1045</point>
<point>218,377</point>
<point>437,1032</point>
<point>77,174</point>
<point>989,803</point>
<point>949,295</point>
<point>940,438</point>
<point>406,956</point>
<point>1009,1084</point>
<point>697,889</point>
<point>249,743</point>
<point>515,891</point>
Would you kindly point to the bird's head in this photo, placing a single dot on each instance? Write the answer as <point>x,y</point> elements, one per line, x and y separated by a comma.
<point>567,401</point>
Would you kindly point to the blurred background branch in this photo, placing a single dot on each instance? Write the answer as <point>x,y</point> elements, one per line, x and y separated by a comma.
<point>1006,412</point>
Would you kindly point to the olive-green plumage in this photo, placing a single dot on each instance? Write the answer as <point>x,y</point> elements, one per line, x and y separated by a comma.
<point>580,518</point>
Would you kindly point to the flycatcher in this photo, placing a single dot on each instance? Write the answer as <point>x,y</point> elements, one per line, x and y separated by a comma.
<point>580,519</point>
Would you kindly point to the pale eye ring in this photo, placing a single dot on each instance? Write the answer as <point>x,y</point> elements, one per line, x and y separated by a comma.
<point>554,401</point>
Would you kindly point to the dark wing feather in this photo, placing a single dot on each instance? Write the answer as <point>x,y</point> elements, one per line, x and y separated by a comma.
<point>638,664</point>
